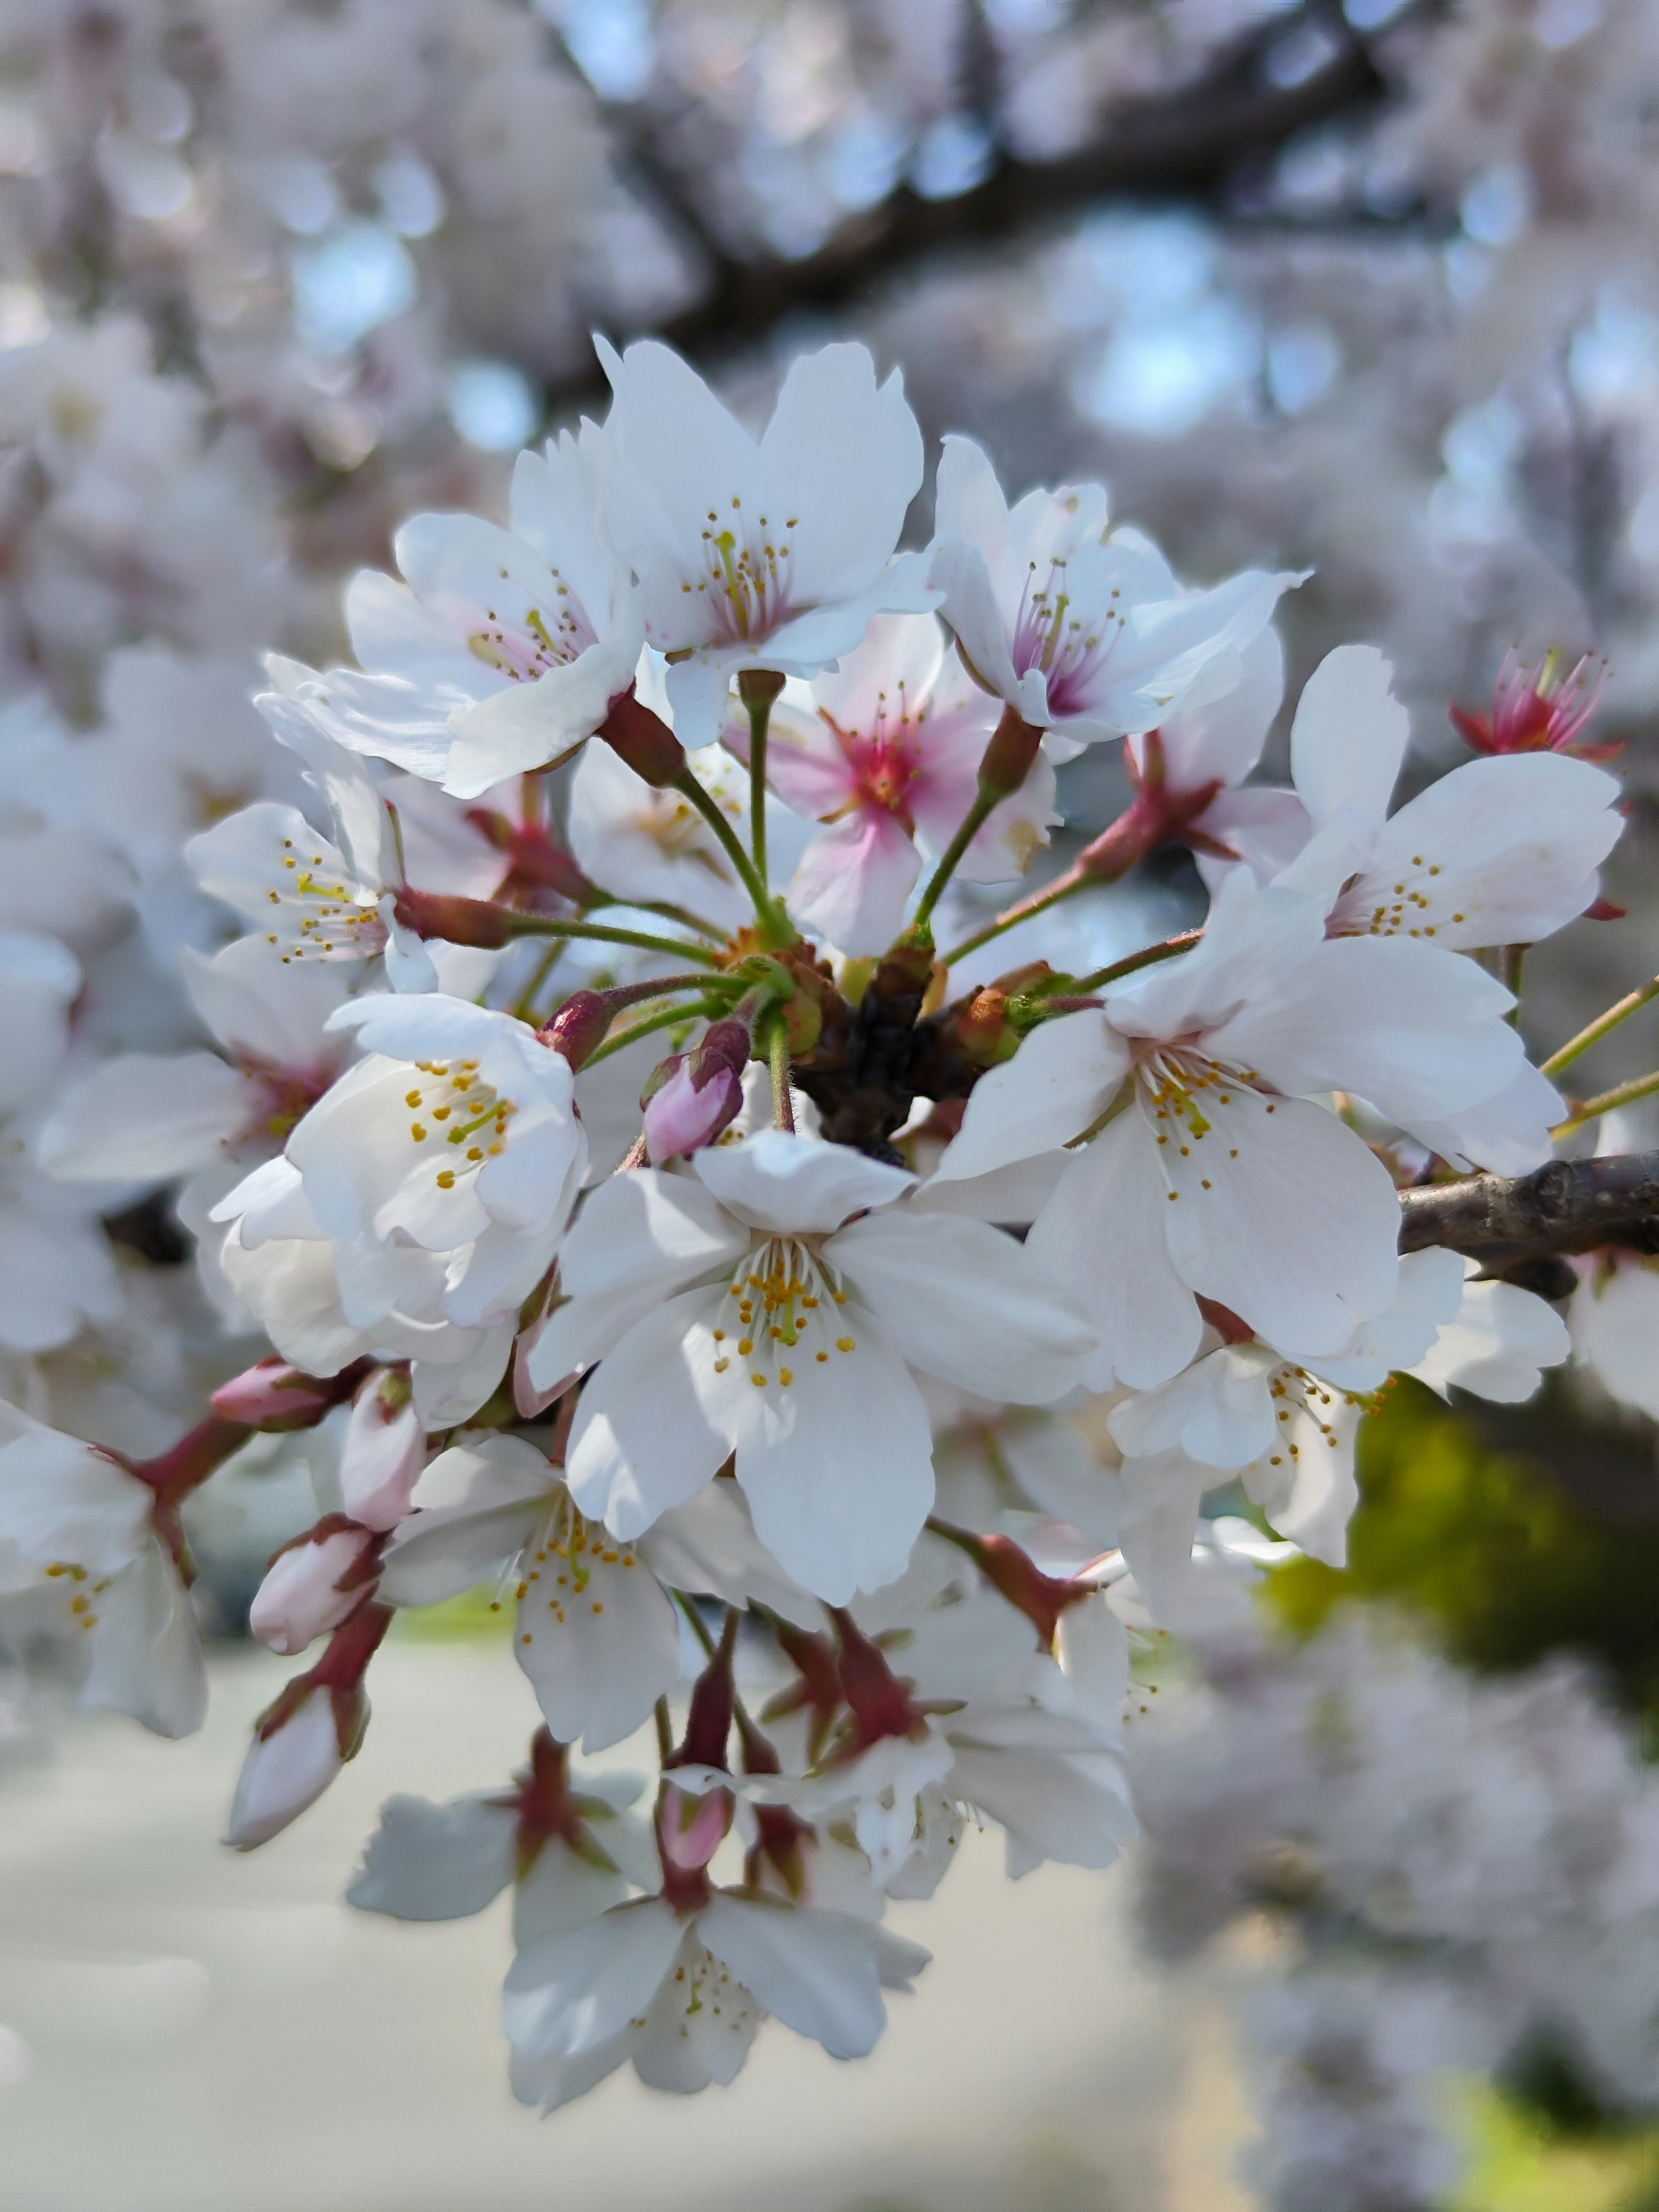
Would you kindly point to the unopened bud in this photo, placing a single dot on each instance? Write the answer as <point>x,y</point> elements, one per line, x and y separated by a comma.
<point>286,1771</point>
<point>384,1452</point>
<point>302,1739</point>
<point>275,1396</point>
<point>694,1096</point>
<point>644,740</point>
<point>457,920</point>
<point>983,1030</point>
<point>579,1026</point>
<point>1009,756</point>
<point>691,1829</point>
<point>313,1584</point>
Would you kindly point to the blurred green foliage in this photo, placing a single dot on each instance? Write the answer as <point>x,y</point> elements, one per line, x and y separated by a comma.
<point>1510,1533</point>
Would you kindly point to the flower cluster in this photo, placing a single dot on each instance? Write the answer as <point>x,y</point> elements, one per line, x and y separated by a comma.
<point>757,1402</point>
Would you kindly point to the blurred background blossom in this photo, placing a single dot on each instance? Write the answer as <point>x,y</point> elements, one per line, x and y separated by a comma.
<point>1370,289</point>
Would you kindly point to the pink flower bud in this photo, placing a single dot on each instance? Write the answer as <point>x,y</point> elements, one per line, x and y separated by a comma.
<point>697,1096</point>
<point>681,1118</point>
<point>286,1770</point>
<point>384,1452</point>
<point>302,1739</point>
<point>579,1027</point>
<point>275,1396</point>
<point>690,1830</point>
<point>312,1586</point>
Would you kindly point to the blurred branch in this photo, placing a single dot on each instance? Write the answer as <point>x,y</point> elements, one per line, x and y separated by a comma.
<point>1568,1206</point>
<point>1187,145</point>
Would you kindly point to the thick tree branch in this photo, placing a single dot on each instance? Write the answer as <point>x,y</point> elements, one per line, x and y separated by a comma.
<point>1568,1206</point>
<point>1187,145</point>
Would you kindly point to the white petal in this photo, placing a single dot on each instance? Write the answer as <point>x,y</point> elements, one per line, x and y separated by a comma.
<point>1500,852</point>
<point>146,1116</point>
<point>648,1228</point>
<point>1508,1133</point>
<point>963,1301</point>
<point>1218,1412</point>
<point>1415,1030</point>
<point>781,1182</point>
<point>1349,737</point>
<point>846,460</point>
<point>568,1994</point>
<point>814,1970</point>
<point>1061,1080</point>
<point>427,1862</point>
<point>708,1544</point>
<point>1282,1214</point>
<point>642,1440</point>
<point>146,1651</point>
<point>599,1652</point>
<point>1502,1338</point>
<point>1162,1495</point>
<point>1101,1236</point>
<point>1615,1326</point>
<point>529,724</point>
<point>838,1468</point>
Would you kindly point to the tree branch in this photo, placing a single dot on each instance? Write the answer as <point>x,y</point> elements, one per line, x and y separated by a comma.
<point>1567,1205</point>
<point>1186,145</point>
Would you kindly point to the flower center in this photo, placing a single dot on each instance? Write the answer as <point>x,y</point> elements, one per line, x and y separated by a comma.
<point>780,1315</point>
<point>1070,647</point>
<point>525,649</point>
<point>1294,1391</point>
<point>456,1109</point>
<point>77,1592</point>
<point>747,570</point>
<point>556,1568</point>
<point>1410,904</point>
<point>322,915</point>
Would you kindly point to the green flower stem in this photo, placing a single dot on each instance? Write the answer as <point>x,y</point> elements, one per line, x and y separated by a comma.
<point>1063,887</point>
<point>757,688</point>
<point>1602,1026</point>
<point>972,824</point>
<point>1146,957</point>
<point>777,1052</point>
<point>708,806</point>
<point>537,924</point>
<point>668,1018</point>
<point>1622,1094</point>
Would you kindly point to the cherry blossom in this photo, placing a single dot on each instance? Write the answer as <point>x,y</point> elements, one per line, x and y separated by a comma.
<point>501,651</point>
<point>772,1307</point>
<point>1500,852</point>
<point>771,553</point>
<point>1082,631</point>
<point>683,1998</point>
<point>1231,1182</point>
<point>889,759</point>
<point>83,1565</point>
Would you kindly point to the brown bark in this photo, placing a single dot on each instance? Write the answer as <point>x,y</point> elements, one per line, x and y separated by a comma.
<point>1566,1205</point>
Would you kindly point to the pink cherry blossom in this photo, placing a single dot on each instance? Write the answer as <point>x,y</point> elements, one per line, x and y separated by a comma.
<point>889,761</point>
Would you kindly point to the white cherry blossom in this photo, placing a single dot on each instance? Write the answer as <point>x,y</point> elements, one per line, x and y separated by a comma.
<point>313,897</point>
<point>502,650</point>
<point>1217,1170</point>
<point>749,1312</point>
<point>83,1566</point>
<point>771,553</point>
<point>417,1204</point>
<point>1082,631</point>
<point>1501,851</point>
<point>684,1997</point>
